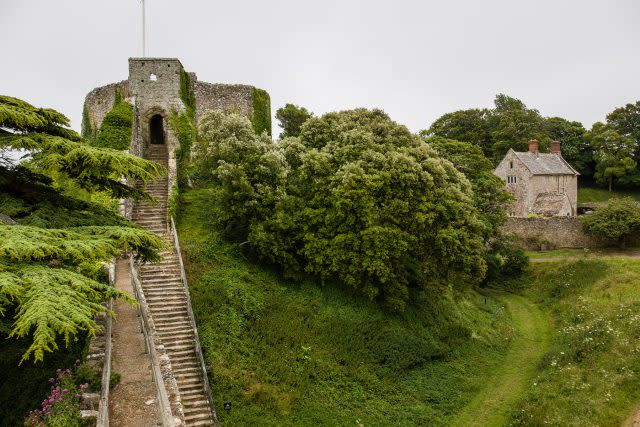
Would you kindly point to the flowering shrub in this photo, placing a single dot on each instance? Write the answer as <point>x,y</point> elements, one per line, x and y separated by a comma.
<point>62,407</point>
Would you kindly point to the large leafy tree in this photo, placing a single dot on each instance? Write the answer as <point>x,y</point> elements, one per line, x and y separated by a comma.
<point>613,154</point>
<point>626,121</point>
<point>52,245</point>
<point>575,147</point>
<point>464,125</point>
<point>489,194</point>
<point>291,118</point>
<point>356,198</point>
<point>510,124</point>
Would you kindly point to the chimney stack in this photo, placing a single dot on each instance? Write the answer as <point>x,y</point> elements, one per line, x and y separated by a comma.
<point>555,147</point>
<point>533,146</point>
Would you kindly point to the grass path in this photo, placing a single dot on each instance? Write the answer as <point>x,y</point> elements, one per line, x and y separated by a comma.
<point>492,405</point>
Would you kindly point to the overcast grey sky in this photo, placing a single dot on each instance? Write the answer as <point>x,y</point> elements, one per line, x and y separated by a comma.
<point>415,59</point>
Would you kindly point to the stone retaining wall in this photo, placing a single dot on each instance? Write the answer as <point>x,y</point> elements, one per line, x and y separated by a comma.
<point>555,232</point>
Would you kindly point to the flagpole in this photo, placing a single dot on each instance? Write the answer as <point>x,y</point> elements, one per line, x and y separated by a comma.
<point>144,31</point>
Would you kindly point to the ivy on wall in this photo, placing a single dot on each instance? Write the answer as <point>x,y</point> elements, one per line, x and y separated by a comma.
<point>115,131</point>
<point>87,130</point>
<point>187,95</point>
<point>261,118</point>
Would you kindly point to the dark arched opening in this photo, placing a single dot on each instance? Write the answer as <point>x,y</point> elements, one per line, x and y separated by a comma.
<point>156,130</point>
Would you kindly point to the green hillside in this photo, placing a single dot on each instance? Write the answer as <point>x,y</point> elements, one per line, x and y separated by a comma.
<point>298,353</point>
<point>562,350</point>
<point>589,376</point>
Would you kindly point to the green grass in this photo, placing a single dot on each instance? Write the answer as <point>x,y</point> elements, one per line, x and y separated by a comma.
<point>286,352</point>
<point>595,195</point>
<point>494,403</point>
<point>562,351</point>
<point>582,253</point>
<point>589,375</point>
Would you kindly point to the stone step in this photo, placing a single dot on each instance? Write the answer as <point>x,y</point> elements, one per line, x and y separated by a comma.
<point>193,393</point>
<point>175,328</point>
<point>183,381</point>
<point>191,388</point>
<point>183,353</point>
<point>165,301</point>
<point>183,369</point>
<point>198,416</point>
<point>162,284</point>
<point>159,309</point>
<point>185,339</point>
<point>201,423</point>
<point>165,293</point>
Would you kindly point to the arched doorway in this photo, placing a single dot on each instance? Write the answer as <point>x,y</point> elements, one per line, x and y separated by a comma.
<point>156,130</point>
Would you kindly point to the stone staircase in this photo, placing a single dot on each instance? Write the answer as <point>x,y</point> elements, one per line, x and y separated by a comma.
<point>164,291</point>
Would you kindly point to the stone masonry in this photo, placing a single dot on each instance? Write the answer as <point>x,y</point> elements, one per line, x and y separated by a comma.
<point>153,88</point>
<point>542,183</point>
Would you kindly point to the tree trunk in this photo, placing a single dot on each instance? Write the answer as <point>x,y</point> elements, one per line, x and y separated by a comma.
<point>610,184</point>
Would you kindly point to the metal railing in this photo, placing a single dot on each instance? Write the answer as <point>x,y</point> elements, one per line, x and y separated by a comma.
<point>183,275</point>
<point>164,406</point>
<point>103,405</point>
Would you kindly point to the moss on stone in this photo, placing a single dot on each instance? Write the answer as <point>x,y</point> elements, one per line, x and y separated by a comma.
<point>261,117</point>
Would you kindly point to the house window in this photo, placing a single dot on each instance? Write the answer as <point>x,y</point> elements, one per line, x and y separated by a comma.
<point>511,180</point>
<point>511,165</point>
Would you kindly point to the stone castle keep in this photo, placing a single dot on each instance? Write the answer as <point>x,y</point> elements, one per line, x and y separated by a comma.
<point>154,89</point>
<point>158,88</point>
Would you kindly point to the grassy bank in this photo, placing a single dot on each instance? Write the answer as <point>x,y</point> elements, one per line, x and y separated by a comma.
<point>590,374</point>
<point>595,195</point>
<point>299,353</point>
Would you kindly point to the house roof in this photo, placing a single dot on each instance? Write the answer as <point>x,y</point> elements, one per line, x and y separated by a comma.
<point>545,163</point>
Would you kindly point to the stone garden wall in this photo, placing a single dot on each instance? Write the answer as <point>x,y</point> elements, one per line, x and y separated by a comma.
<point>555,232</point>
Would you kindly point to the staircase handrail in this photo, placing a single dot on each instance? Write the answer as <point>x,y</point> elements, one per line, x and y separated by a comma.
<point>103,405</point>
<point>164,407</point>
<point>192,319</point>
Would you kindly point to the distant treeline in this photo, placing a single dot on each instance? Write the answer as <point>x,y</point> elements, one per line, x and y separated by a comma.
<point>609,152</point>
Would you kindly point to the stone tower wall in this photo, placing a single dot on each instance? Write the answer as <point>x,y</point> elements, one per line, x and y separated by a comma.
<point>224,97</point>
<point>100,100</point>
<point>153,88</point>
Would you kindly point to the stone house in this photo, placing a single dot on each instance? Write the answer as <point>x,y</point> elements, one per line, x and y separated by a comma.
<point>542,183</point>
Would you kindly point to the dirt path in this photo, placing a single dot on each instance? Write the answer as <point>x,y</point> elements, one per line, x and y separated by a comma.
<point>491,405</point>
<point>634,421</point>
<point>598,255</point>
<point>132,402</point>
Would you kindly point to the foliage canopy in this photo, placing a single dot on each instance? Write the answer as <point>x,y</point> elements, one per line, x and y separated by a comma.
<point>355,198</point>
<point>52,245</point>
<point>291,118</point>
